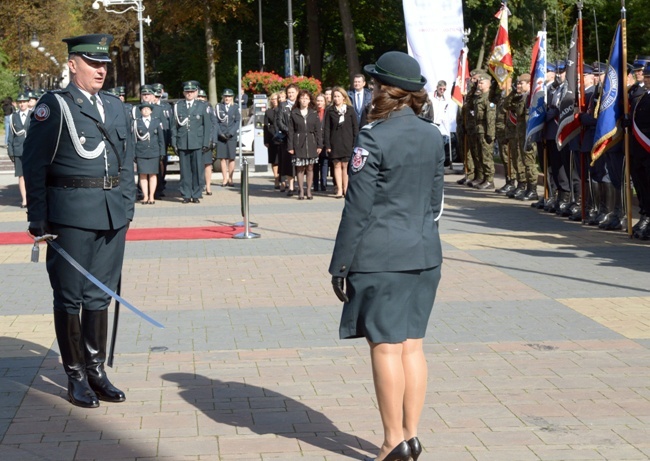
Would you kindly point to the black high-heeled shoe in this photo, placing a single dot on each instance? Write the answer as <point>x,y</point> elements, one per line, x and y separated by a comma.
<point>401,452</point>
<point>416,448</point>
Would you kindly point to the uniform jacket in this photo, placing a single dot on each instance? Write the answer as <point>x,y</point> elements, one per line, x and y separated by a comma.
<point>339,136</point>
<point>366,99</point>
<point>154,144</point>
<point>394,199</point>
<point>282,115</point>
<point>641,117</point>
<point>588,119</point>
<point>512,104</point>
<point>485,114</point>
<point>305,134</point>
<point>270,127</point>
<point>554,96</point>
<point>49,152</point>
<point>191,128</point>
<point>17,134</point>
<point>226,128</point>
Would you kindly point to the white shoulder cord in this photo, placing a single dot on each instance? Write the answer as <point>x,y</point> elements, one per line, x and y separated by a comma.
<point>13,128</point>
<point>222,118</point>
<point>83,153</point>
<point>184,122</point>
<point>146,136</point>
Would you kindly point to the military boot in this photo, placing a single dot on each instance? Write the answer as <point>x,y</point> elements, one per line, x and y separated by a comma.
<point>612,220</point>
<point>531,193</point>
<point>68,335</point>
<point>507,187</point>
<point>602,205</point>
<point>639,228</point>
<point>563,203</point>
<point>520,186</point>
<point>593,202</point>
<point>519,195</point>
<point>551,204</point>
<point>95,330</point>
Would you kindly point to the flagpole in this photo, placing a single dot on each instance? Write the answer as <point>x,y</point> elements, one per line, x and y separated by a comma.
<point>626,112</point>
<point>466,152</point>
<point>581,109</point>
<point>545,151</point>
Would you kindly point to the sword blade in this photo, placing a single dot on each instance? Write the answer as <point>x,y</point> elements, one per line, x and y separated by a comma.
<point>56,247</point>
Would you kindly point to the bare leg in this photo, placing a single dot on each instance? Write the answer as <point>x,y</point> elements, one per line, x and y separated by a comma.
<point>231,171</point>
<point>389,380</point>
<point>415,373</point>
<point>144,185</point>
<point>153,182</point>
<point>338,178</point>
<point>310,178</point>
<point>224,171</point>
<point>208,177</point>
<point>23,192</point>
<point>344,174</point>
<point>276,175</point>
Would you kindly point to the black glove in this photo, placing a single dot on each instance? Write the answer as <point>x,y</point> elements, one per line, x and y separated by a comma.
<point>205,149</point>
<point>627,122</point>
<point>488,139</point>
<point>12,158</point>
<point>175,149</point>
<point>38,228</point>
<point>339,291</point>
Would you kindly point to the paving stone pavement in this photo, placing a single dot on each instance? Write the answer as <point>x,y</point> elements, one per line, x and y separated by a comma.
<point>537,346</point>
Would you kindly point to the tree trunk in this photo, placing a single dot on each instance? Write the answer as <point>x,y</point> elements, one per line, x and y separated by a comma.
<point>209,48</point>
<point>313,25</point>
<point>349,39</point>
<point>481,54</point>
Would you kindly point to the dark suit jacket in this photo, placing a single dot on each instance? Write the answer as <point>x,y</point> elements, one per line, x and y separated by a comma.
<point>305,136</point>
<point>15,144</point>
<point>49,152</point>
<point>394,198</point>
<point>153,147</point>
<point>367,98</point>
<point>196,133</point>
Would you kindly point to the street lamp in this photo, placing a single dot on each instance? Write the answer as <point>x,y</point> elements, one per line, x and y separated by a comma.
<point>127,5</point>
<point>34,42</point>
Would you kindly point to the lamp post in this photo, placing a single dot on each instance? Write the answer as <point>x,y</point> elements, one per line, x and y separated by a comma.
<point>128,5</point>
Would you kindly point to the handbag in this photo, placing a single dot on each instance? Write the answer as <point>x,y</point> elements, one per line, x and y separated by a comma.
<point>278,138</point>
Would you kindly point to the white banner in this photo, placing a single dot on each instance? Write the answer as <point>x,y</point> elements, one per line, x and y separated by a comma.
<point>434,33</point>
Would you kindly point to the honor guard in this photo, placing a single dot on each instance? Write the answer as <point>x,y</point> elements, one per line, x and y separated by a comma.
<point>18,126</point>
<point>190,137</point>
<point>226,130</point>
<point>78,159</point>
<point>165,115</point>
<point>640,156</point>
<point>485,115</point>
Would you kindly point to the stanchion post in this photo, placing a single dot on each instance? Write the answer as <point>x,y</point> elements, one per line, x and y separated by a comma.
<point>247,234</point>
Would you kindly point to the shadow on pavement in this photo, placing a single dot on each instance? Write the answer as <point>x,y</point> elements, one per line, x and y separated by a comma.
<point>265,412</point>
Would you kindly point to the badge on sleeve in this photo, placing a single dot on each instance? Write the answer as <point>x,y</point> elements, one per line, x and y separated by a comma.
<point>358,159</point>
<point>42,112</point>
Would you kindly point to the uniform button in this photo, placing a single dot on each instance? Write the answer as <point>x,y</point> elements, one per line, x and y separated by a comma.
<point>343,269</point>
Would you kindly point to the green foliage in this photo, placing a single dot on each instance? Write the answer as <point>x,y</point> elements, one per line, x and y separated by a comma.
<point>8,82</point>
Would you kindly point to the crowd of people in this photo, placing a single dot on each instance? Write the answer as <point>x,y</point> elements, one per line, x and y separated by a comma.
<point>491,120</point>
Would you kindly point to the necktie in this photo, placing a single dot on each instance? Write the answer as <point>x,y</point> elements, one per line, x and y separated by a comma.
<point>23,116</point>
<point>146,122</point>
<point>358,102</point>
<point>97,103</point>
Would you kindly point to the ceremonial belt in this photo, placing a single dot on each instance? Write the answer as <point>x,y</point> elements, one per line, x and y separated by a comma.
<point>100,183</point>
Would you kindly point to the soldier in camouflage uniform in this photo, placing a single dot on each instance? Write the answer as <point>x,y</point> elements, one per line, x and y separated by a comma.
<point>527,152</point>
<point>485,113</point>
<point>502,141</point>
<point>474,175</point>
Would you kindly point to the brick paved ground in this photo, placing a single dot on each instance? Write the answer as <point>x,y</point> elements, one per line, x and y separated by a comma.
<point>537,348</point>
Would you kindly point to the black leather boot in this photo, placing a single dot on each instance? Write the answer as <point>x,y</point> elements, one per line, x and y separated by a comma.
<point>563,202</point>
<point>612,220</point>
<point>602,205</point>
<point>531,193</point>
<point>95,328</point>
<point>68,335</point>
<point>519,194</point>
<point>507,187</point>
<point>512,192</point>
<point>639,228</point>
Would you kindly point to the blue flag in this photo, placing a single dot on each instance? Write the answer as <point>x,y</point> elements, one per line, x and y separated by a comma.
<point>609,127</point>
<point>537,107</point>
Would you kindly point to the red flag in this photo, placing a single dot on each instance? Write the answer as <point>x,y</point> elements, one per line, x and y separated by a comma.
<point>500,62</point>
<point>462,77</point>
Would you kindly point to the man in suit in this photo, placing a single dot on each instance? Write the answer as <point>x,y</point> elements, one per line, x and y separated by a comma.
<point>190,138</point>
<point>18,125</point>
<point>360,96</point>
<point>78,159</point>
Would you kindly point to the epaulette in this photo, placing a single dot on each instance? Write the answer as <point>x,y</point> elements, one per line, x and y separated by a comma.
<point>106,93</point>
<point>372,124</point>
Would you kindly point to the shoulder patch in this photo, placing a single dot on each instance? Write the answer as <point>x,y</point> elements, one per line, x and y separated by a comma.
<point>42,112</point>
<point>372,124</point>
<point>359,158</point>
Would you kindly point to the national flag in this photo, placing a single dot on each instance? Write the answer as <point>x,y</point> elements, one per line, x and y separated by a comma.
<point>500,62</point>
<point>537,104</point>
<point>609,127</point>
<point>569,121</point>
<point>462,77</point>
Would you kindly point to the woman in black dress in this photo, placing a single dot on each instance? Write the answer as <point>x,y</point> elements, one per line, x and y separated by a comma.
<point>149,148</point>
<point>272,145</point>
<point>388,250</point>
<point>340,131</point>
<point>305,140</point>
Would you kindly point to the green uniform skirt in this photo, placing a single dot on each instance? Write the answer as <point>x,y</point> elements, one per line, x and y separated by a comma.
<point>389,307</point>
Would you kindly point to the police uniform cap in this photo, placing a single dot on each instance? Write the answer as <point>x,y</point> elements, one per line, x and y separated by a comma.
<point>587,69</point>
<point>228,92</point>
<point>22,97</point>
<point>550,67</point>
<point>32,95</point>
<point>640,62</point>
<point>112,91</point>
<point>157,89</point>
<point>145,104</point>
<point>397,69</point>
<point>121,90</point>
<point>561,67</point>
<point>598,68</point>
<point>646,70</point>
<point>202,93</point>
<point>146,89</point>
<point>630,68</point>
<point>190,85</point>
<point>524,78</point>
<point>94,47</point>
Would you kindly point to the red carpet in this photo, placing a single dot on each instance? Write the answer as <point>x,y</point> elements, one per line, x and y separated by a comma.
<point>157,233</point>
